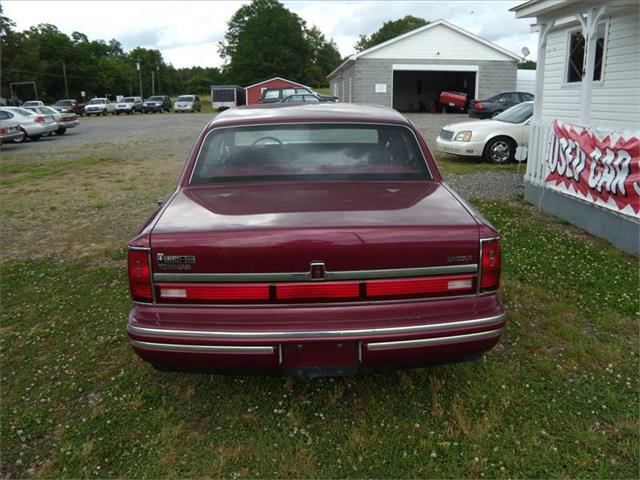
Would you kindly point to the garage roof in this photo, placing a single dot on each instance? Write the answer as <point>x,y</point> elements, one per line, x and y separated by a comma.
<point>276,78</point>
<point>506,53</point>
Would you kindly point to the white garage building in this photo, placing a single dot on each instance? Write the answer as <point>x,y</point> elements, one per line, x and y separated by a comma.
<point>409,72</point>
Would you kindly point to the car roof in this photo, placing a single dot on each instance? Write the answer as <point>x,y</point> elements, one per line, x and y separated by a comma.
<point>283,113</point>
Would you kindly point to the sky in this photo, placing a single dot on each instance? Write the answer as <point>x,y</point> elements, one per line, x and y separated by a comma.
<point>187,33</point>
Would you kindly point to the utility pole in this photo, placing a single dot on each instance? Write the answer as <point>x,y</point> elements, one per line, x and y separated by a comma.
<point>66,84</point>
<point>159,89</point>
<point>153,83</point>
<point>139,76</point>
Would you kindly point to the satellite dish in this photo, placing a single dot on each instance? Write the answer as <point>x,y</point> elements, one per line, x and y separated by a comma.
<point>525,51</point>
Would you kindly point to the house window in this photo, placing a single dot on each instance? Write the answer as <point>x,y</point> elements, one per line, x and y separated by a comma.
<point>577,62</point>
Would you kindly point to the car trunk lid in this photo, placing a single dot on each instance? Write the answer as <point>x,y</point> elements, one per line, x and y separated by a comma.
<point>285,227</point>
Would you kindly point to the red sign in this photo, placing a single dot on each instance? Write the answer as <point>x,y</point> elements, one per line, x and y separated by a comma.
<point>602,168</point>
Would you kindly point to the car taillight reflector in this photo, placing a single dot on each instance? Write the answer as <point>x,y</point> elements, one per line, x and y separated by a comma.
<point>416,286</point>
<point>39,120</point>
<point>2,131</point>
<point>139,275</point>
<point>490,267</point>
<point>211,291</point>
<point>479,105</point>
<point>292,291</point>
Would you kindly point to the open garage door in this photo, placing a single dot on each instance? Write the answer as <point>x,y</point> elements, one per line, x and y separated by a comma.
<point>416,88</point>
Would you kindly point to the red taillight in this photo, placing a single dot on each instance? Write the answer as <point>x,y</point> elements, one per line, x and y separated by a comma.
<point>39,119</point>
<point>420,286</point>
<point>478,106</point>
<point>293,291</point>
<point>2,131</point>
<point>223,291</point>
<point>139,275</point>
<point>490,273</point>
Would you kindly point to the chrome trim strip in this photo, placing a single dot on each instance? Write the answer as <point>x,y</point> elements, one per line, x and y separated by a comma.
<point>425,342</point>
<point>140,249</point>
<point>132,329</point>
<point>304,276</point>
<point>171,347</point>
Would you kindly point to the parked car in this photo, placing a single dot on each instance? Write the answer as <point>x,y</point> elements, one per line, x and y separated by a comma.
<point>187,103</point>
<point>301,98</point>
<point>129,105</point>
<point>494,140</point>
<point>313,248</point>
<point>9,129</point>
<point>497,104</point>
<point>99,106</point>
<point>69,105</point>
<point>274,95</point>
<point>157,103</point>
<point>453,101</point>
<point>33,103</point>
<point>32,125</point>
<point>64,120</point>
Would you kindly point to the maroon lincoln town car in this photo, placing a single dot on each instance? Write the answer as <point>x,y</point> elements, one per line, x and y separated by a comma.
<point>313,240</point>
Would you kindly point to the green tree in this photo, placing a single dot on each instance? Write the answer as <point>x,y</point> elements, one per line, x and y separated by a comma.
<point>325,57</point>
<point>389,30</point>
<point>263,40</point>
<point>527,65</point>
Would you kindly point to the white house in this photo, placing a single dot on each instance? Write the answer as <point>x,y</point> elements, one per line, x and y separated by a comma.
<point>584,146</point>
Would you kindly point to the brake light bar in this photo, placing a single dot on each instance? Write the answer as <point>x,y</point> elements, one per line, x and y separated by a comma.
<point>338,290</point>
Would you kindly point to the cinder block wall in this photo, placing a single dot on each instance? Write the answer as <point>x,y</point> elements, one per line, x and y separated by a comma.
<point>493,77</point>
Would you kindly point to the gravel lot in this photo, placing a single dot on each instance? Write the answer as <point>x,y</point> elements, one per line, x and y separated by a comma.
<point>121,129</point>
<point>182,128</point>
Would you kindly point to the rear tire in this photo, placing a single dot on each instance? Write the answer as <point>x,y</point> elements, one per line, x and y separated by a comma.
<point>23,139</point>
<point>499,150</point>
<point>61,131</point>
<point>35,138</point>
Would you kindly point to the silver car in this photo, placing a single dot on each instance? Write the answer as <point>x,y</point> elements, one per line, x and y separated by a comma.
<point>187,103</point>
<point>9,129</point>
<point>64,120</point>
<point>33,125</point>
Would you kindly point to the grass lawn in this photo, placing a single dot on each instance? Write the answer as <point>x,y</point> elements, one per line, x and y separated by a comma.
<point>558,397</point>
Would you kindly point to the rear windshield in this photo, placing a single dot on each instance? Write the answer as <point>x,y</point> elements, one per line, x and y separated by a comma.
<point>185,98</point>
<point>309,152</point>
<point>272,94</point>
<point>516,114</point>
<point>129,100</point>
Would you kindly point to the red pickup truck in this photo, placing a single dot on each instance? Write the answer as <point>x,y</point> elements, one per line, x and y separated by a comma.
<point>310,240</point>
<point>456,101</point>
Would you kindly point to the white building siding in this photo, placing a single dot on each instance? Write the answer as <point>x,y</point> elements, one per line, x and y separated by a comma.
<point>559,100</point>
<point>437,43</point>
<point>616,101</point>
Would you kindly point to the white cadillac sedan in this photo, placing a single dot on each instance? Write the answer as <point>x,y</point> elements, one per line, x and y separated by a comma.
<point>494,140</point>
